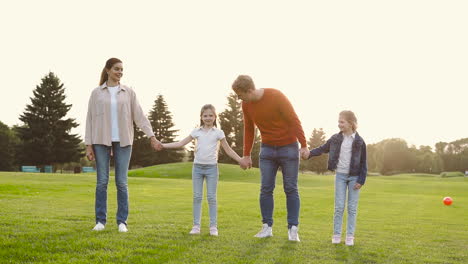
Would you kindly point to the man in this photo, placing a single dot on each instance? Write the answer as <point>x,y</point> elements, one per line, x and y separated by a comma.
<point>280,128</point>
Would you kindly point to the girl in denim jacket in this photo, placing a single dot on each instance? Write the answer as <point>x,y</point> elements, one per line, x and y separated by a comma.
<point>348,158</point>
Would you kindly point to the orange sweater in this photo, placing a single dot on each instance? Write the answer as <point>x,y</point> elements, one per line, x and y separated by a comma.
<point>276,119</point>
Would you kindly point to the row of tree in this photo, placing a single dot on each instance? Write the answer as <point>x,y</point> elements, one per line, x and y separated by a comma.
<point>391,156</point>
<point>44,138</point>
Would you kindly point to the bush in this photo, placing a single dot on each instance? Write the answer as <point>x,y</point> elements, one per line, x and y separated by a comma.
<point>447,174</point>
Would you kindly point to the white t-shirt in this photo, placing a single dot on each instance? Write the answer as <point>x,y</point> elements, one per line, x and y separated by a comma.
<point>114,113</point>
<point>207,145</point>
<point>344,161</point>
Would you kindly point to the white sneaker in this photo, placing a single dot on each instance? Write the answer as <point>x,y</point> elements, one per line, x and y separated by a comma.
<point>266,231</point>
<point>99,227</point>
<point>195,230</point>
<point>214,231</point>
<point>293,235</point>
<point>336,239</point>
<point>349,240</point>
<point>123,228</point>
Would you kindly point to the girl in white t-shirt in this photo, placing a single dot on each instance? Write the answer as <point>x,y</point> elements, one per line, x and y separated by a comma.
<point>205,164</point>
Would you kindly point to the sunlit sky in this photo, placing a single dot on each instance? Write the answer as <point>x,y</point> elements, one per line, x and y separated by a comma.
<point>401,66</point>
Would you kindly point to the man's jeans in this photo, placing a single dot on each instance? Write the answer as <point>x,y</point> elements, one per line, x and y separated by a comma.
<point>210,172</point>
<point>122,160</point>
<point>272,158</point>
<point>345,183</point>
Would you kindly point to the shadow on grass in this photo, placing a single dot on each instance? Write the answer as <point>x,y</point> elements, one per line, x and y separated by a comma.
<point>256,247</point>
<point>348,253</point>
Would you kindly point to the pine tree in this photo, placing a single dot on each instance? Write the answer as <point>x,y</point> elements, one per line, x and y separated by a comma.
<point>45,132</point>
<point>142,152</point>
<point>8,143</point>
<point>161,121</point>
<point>318,163</point>
<point>231,122</point>
<point>232,125</point>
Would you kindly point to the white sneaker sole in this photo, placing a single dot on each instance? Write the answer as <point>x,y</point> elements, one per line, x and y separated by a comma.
<point>263,236</point>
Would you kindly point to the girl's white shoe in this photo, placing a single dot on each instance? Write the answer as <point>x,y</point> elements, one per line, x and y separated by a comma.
<point>336,239</point>
<point>214,231</point>
<point>349,240</point>
<point>195,230</point>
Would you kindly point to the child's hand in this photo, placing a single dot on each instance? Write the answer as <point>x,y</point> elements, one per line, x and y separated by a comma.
<point>156,144</point>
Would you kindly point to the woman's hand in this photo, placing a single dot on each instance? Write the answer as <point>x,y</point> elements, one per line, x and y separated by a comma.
<point>89,153</point>
<point>156,144</point>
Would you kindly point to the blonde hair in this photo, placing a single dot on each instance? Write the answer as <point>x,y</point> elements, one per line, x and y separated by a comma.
<point>208,107</point>
<point>243,83</point>
<point>350,117</point>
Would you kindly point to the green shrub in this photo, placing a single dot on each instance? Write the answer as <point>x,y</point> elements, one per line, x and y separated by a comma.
<point>447,174</point>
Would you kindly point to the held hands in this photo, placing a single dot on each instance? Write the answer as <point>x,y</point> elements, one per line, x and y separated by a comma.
<point>304,153</point>
<point>156,144</point>
<point>246,162</point>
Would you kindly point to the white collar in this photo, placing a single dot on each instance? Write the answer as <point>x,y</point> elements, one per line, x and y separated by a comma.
<point>353,135</point>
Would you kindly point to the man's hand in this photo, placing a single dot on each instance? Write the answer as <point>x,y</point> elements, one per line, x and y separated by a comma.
<point>357,186</point>
<point>246,162</point>
<point>304,153</point>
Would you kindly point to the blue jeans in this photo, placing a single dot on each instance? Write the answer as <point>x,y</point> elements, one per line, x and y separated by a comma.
<point>271,159</point>
<point>345,183</point>
<point>210,172</point>
<point>122,160</point>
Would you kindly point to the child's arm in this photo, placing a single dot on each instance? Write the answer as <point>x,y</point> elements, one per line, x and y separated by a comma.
<point>230,151</point>
<point>179,144</point>
<point>363,173</point>
<point>325,148</point>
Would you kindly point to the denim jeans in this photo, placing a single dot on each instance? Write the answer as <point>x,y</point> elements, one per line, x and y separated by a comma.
<point>200,172</point>
<point>272,158</point>
<point>345,183</point>
<point>122,160</point>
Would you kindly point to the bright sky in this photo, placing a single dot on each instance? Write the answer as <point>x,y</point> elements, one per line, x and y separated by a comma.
<point>401,66</point>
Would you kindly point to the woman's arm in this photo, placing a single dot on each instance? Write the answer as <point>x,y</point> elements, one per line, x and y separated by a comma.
<point>179,144</point>
<point>230,151</point>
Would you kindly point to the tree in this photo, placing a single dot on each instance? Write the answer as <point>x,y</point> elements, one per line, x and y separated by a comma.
<point>231,122</point>
<point>317,164</point>
<point>393,156</point>
<point>45,133</point>
<point>8,143</point>
<point>454,155</point>
<point>161,121</point>
<point>142,153</point>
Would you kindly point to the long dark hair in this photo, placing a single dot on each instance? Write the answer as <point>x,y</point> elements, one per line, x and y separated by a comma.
<point>109,63</point>
<point>206,107</point>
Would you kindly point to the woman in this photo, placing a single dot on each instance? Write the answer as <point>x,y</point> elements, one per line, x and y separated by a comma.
<point>112,109</point>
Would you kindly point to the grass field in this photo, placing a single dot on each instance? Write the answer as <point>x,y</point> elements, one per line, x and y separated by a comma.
<point>47,218</point>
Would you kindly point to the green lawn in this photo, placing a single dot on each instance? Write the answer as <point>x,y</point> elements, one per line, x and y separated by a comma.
<point>47,218</point>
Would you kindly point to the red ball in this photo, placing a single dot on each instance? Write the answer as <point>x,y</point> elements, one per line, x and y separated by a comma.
<point>447,200</point>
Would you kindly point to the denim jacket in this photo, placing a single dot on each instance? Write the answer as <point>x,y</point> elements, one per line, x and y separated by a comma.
<point>358,166</point>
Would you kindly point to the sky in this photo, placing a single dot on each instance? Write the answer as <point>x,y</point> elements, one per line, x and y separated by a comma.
<point>401,66</point>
